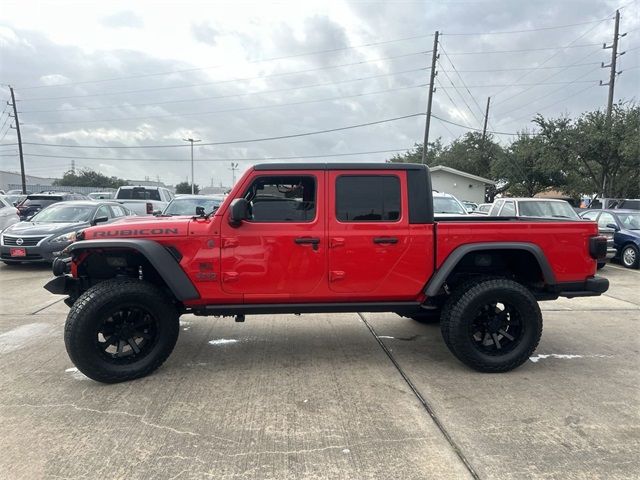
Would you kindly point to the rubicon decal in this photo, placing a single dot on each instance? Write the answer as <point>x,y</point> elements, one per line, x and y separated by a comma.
<point>136,231</point>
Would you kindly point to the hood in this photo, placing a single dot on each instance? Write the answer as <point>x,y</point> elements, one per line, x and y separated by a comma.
<point>32,228</point>
<point>140,227</point>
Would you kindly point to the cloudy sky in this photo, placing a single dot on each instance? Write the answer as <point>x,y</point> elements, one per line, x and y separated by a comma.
<point>138,74</point>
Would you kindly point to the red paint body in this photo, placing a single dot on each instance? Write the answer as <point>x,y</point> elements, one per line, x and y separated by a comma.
<point>260,262</point>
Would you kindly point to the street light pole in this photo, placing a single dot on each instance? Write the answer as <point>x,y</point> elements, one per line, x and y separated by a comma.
<point>193,182</point>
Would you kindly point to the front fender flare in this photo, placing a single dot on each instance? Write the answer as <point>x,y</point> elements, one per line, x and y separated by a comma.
<point>433,286</point>
<point>158,256</point>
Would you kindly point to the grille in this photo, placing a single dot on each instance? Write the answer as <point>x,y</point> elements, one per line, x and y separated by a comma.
<point>26,241</point>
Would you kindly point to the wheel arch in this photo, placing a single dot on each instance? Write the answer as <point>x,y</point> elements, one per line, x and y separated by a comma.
<point>164,263</point>
<point>529,251</point>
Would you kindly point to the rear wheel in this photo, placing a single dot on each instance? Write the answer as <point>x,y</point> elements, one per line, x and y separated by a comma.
<point>629,256</point>
<point>120,330</point>
<point>493,326</point>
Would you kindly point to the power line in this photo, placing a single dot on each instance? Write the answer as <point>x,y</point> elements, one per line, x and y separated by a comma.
<point>238,159</point>
<point>461,80</point>
<point>538,29</point>
<point>576,80</point>
<point>479,129</point>
<point>459,94</point>
<point>233,142</point>
<point>229,110</point>
<point>558,51</point>
<point>493,70</point>
<point>234,95</point>
<point>556,102</point>
<point>484,52</point>
<point>218,82</point>
<point>317,52</point>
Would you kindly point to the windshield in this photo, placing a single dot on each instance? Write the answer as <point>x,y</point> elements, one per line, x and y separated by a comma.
<point>62,213</point>
<point>187,206</point>
<point>630,221</point>
<point>448,205</point>
<point>547,209</point>
<point>138,194</point>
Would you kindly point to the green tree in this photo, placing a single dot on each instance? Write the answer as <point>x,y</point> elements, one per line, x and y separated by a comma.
<point>526,168</point>
<point>185,187</point>
<point>415,154</point>
<point>472,154</point>
<point>599,156</point>
<point>89,178</point>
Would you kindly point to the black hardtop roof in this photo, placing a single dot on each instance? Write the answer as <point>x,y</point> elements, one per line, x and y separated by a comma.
<point>339,166</point>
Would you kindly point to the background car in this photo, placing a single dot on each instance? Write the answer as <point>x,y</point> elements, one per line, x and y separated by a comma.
<point>470,206</point>
<point>43,237</point>
<point>533,207</point>
<point>8,213</point>
<point>626,237</point>
<point>144,200</point>
<point>15,198</point>
<point>483,209</point>
<point>38,201</point>
<point>446,205</point>
<point>187,204</point>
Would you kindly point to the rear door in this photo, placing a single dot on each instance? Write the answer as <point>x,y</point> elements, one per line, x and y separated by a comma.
<point>368,229</point>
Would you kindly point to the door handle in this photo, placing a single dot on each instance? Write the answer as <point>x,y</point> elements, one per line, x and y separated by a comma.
<point>308,241</point>
<point>392,240</point>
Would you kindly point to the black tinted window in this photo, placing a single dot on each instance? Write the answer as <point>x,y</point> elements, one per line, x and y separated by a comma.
<point>368,198</point>
<point>138,194</point>
<point>282,199</point>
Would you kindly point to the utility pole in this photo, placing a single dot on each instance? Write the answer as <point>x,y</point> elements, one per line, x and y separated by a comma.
<point>73,167</point>
<point>614,57</point>
<point>611,84</point>
<point>233,168</point>
<point>432,78</point>
<point>486,119</point>
<point>17,128</point>
<point>193,182</point>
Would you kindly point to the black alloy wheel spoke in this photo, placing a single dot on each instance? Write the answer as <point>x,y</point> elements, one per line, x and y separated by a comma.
<point>134,346</point>
<point>506,334</point>
<point>496,341</point>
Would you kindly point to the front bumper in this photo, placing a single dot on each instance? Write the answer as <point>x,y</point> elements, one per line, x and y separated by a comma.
<point>45,252</point>
<point>591,287</point>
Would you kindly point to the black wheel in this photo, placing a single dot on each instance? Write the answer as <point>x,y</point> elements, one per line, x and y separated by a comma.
<point>120,329</point>
<point>493,326</point>
<point>629,256</point>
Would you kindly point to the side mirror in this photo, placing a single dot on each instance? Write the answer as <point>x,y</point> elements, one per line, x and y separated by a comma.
<point>614,226</point>
<point>200,211</point>
<point>239,211</point>
<point>157,212</point>
<point>99,220</point>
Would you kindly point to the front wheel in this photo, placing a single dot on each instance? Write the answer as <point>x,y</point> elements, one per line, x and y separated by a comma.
<point>629,256</point>
<point>493,326</point>
<point>120,329</point>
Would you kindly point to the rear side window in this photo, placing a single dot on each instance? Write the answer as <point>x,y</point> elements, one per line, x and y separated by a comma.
<point>368,198</point>
<point>41,201</point>
<point>118,211</point>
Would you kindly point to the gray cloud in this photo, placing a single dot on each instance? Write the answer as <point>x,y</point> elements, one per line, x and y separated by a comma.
<point>111,120</point>
<point>123,19</point>
<point>203,32</point>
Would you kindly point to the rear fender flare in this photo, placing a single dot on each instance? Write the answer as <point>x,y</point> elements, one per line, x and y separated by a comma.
<point>433,286</point>
<point>158,256</point>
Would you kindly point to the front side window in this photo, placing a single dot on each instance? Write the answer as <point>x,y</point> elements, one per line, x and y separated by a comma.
<point>368,198</point>
<point>590,215</point>
<point>282,199</point>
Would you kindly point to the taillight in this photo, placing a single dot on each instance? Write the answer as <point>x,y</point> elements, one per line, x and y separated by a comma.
<point>598,247</point>
<point>149,208</point>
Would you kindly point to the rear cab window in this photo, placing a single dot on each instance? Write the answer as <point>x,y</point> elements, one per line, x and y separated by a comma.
<point>138,194</point>
<point>368,198</point>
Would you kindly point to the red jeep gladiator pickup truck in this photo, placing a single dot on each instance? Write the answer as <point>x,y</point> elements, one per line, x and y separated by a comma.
<point>302,238</point>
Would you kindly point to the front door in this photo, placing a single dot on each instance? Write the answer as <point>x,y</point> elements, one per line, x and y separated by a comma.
<point>280,252</point>
<point>368,231</point>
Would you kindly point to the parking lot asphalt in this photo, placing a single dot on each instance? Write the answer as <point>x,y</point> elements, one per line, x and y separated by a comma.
<point>342,396</point>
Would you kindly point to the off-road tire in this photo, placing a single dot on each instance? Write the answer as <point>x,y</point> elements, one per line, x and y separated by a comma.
<point>461,311</point>
<point>88,314</point>
<point>625,257</point>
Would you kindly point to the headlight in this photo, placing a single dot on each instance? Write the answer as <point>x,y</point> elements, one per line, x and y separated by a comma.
<point>64,238</point>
